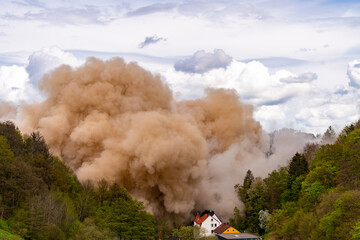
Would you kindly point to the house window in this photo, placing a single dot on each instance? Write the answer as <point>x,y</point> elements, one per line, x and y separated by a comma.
<point>215,224</point>
<point>212,225</point>
<point>212,219</point>
<point>212,231</point>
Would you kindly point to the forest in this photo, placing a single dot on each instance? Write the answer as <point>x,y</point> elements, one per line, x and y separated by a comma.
<point>316,196</point>
<point>40,198</point>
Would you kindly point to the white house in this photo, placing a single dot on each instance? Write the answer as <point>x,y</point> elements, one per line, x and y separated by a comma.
<point>207,221</point>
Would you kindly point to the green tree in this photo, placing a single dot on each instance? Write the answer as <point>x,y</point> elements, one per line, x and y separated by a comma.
<point>85,203</point>
<point>276,183</point>
<point>355,234</point>
<point>338,223</point>
<point>9,131</point>
<point>90,231</point>
<point>188,233</point>
<point>298,166</point>
<point>349,165</point>
<point>282,223</point>
<point>242,189</point>
<point>124,216</point>
<point>20,222</point>
<point>254,205</point>
<point>238,219</point>
<point>35,144</point>
<point>6,155</point>
<point>307,222</point>
<point>164,230</point>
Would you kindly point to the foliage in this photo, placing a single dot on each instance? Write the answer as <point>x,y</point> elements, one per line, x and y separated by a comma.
<point>90,231</point>
<point>5,235</point>
<point>298,166</point>
<point>124,216</point>
<point>253,197</point>
<point>238,219</point>
<point>355,234</point>
<point>349,164</point>
<point>9,131</point>
<point>164,230</point>
<point>6,155</point>
<point>188,233</point>
<point>242,189</point>
<point>276,183</point>
<point>283,221</point>
<point>317,196</point>
<point>40,198</point>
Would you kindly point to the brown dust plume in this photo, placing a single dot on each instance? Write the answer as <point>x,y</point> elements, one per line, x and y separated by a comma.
<point>117,121</point>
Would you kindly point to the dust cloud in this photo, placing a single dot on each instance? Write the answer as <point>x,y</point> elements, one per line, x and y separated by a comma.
<point>7,110</point>
<point>119,122</point>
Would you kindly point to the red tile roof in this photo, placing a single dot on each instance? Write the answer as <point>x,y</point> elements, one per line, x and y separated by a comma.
<point>220,229</point>
<point>197,217</point>
<point>201,219</point>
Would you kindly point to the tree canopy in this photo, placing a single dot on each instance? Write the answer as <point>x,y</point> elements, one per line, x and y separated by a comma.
<point>316,196</point>
<point>40,197</point>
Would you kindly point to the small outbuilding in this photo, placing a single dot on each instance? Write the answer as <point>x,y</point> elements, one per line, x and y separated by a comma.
<point>239,236</point>
<point>225,228</point>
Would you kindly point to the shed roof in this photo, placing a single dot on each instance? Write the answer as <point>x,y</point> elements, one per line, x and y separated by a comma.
<point>220,229</point>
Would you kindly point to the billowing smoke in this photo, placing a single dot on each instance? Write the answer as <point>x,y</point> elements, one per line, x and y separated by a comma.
<point>7,111</point>
<point>116,121</point>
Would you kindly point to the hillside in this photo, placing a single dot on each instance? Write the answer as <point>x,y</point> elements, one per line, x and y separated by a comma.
<point>40,198</point>
<point>8,236</point>
<point>316,196</point>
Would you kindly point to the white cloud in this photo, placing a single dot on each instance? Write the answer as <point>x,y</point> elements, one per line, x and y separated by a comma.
<point>354,73</point>
<point>252,80</point>
<point>281,99</point>
<point>151,40</point>
<point>313,118</point>
<point>271,117</point>
<point>259,87</point>
<point>14,84</point>
<point>58,15</point>
<point>202,62</point>
<point>304,77</point>
<point>150,9</point>
<point>223,12</point>
<point>47,59</point>
<point>19,82</point>
<point>322,109</point>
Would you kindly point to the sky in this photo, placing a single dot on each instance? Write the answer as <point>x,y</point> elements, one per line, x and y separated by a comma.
<point>296,62</point>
